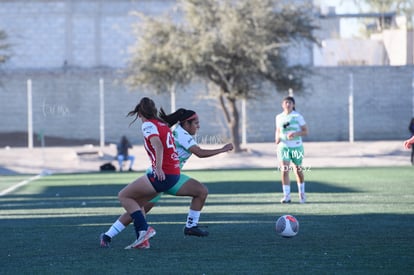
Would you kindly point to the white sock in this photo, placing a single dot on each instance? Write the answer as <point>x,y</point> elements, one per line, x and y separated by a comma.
<point>301,187</point>
<point>192,218</point>
<point>286,191</point>
<point>115,229</point>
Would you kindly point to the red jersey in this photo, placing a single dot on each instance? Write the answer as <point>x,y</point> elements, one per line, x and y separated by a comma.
<point>170,162</point>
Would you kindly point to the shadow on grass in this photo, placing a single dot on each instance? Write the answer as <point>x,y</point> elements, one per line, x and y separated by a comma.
<point>326,244</point>
<point>52,226</point>
<point>105,195</point>
<point>220,187</point>
<point>311,223</point>
<point>248,187</point>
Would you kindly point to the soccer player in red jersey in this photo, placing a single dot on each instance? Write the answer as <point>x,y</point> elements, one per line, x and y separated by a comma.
<point>165,172</point>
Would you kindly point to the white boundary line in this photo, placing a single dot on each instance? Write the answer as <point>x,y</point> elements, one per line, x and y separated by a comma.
<point>20,184</point>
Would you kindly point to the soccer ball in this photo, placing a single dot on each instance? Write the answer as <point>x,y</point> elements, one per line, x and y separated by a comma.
<point>287,226</point>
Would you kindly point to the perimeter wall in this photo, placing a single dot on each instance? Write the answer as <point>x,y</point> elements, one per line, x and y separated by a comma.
<point>66,103</point>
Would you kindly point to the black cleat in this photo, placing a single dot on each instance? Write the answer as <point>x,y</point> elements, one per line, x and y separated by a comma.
<point>195,231</point>
<point>285,200</point>
<point>105,240</point>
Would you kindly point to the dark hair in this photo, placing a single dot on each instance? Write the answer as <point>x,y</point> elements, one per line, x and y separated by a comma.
<point>411,126</point>
<point>124,140</point>
<point>146,108</point>
<point>180,115</point>
<point>290,98</point>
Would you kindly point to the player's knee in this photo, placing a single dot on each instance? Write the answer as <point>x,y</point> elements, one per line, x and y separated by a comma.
<point>121,195</point>
<point>203,193</point>
<point>284,168</point>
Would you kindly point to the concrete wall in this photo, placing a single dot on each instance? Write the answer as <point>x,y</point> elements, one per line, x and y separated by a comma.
<point>383,105</point>
<point>66,104</point>
<point>66,46</point>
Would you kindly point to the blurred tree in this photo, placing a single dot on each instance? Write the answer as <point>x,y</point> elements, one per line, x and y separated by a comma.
<point>237,46</point>
<point>160,60</point>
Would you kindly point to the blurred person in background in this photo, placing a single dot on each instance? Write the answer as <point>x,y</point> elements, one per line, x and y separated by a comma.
<point>408,143</point>
<point>123,153</point>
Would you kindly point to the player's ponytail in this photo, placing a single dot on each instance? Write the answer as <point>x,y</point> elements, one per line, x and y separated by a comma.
<point>146,108</point>
<point>180,115</point>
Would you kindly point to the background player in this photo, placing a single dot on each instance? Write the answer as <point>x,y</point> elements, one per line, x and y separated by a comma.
<point>290,128</point>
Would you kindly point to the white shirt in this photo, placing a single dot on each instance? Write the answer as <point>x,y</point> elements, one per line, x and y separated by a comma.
<point>288,123</point>
<point>183,142</point>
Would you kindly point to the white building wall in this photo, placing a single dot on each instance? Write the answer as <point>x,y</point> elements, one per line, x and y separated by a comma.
<point>350,52</point>
<point>395,42</point>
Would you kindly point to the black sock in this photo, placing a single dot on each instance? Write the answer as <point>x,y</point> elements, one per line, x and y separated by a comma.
<point>139,222</point>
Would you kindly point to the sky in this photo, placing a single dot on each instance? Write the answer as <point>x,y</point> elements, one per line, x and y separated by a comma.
<point>349,27</point>
<point>344,7</point>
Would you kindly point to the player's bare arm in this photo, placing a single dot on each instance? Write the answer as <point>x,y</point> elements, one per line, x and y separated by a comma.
<point>277,135</point>
<point>205,153</point>
<point>156,143</point>
<point>303,132</point>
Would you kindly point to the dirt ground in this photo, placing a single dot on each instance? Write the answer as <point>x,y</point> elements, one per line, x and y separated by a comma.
<point>75,156</point>
<point>20,139</point>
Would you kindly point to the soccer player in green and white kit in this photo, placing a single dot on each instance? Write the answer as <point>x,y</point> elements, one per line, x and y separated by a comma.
<point>290,128</point>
